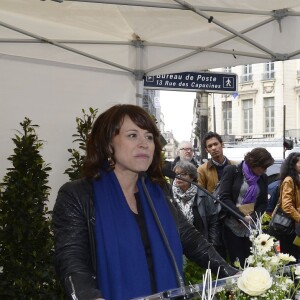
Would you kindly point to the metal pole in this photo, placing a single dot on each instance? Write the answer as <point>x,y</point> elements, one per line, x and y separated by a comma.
<point>226,124</point>
<point>283,131</point>
<point>214,111</point>
<point>203,119</point>
<point>283,83</point>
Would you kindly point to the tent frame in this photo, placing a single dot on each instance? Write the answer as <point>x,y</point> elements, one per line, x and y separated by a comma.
<point>139,44</point>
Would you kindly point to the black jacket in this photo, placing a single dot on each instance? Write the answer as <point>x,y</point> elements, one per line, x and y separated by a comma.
<point>75,255</point>
<point>230,187</point>
<point>206,217</point>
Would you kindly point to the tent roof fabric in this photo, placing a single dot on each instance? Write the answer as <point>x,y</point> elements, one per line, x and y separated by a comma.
<point>150,37</point>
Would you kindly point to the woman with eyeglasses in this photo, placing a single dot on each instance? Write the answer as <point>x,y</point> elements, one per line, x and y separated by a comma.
<point>199,209</point>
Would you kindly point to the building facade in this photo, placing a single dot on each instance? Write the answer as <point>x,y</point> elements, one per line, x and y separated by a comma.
<point>265,107</point>
<point>170,148</point>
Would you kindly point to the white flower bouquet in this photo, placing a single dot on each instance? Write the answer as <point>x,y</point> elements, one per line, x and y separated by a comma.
<point>265,276</point>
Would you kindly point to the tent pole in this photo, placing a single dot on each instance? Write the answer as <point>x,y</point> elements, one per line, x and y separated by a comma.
<point>139,73</point>
<point>139,92</point>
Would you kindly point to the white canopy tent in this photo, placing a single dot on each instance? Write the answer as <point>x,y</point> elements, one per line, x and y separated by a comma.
<point>150,37</point>
<point>57,58</point>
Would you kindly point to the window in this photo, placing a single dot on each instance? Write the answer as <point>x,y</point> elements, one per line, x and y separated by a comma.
<point>269,71</point>
<point>227,116</point>
<point>248,115</point>
<point>227,69</point>
<point>269,114</point>
<point>247,73</point>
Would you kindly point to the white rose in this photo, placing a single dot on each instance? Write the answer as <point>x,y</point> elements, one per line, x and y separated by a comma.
<point>254,281</point>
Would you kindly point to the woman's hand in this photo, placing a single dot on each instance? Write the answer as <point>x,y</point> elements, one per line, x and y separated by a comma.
<point>248,219</point>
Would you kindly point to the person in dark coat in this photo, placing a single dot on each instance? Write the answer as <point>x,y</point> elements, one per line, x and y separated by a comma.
<point>117,235</point>
<point>199,209</point>
<point>244,188</point>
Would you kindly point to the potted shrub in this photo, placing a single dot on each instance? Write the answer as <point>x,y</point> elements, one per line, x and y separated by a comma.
<point>26,247</point>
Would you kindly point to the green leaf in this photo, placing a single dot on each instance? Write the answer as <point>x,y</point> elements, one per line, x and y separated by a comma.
<point>84,127</point>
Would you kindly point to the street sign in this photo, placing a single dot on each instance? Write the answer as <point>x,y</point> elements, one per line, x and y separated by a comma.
<point>192,81</point>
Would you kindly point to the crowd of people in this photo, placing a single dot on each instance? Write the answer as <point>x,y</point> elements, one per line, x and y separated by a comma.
<point>243,187</point>
<point>121,230</point>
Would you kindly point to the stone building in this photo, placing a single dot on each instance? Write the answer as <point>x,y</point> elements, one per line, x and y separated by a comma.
<point>256,111</point>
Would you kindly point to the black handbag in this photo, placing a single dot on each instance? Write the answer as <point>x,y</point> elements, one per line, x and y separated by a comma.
<point>281,224</point>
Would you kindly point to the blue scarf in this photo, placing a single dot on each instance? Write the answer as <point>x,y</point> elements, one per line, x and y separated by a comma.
<point>251,179</point>
<point>122,269</point>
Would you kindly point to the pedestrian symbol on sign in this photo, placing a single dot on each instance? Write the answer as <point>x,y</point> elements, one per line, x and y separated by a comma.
<point>228,82</point>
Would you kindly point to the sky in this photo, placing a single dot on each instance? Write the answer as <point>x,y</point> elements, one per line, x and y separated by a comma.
<point>177,108</point>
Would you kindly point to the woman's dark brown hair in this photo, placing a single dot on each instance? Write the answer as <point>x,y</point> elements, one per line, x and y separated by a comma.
<point>99,150</point>
<point>259,157</point>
